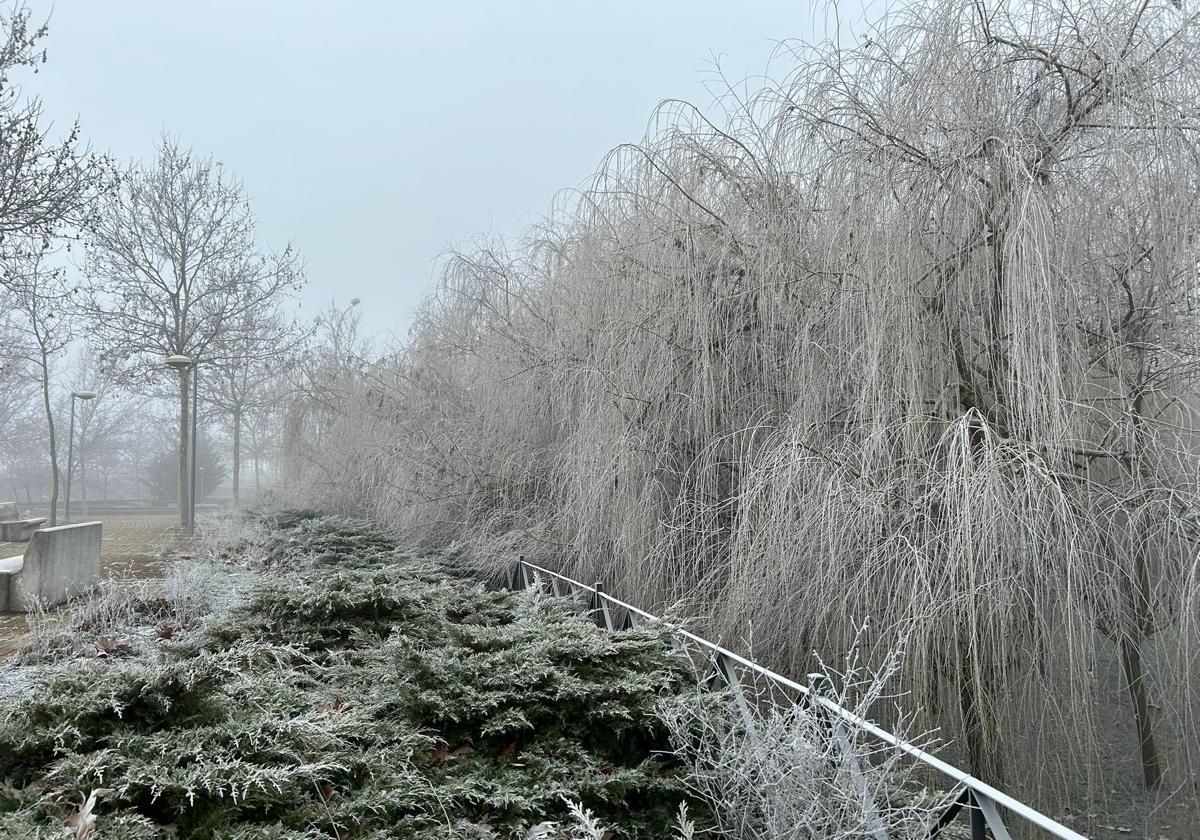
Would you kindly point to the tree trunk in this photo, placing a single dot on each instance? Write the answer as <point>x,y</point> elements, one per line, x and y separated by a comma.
<point>983,762</point>
<point>237,452</point>
<point>1135,675</point>
<point>184,416</point>
<point>52,519</point>
<point>1131,664</point>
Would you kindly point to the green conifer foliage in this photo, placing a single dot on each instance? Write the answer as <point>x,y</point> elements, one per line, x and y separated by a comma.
<point>359,691</point>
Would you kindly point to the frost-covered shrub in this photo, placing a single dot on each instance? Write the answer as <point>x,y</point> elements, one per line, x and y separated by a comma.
<point>358,691</point>
<point>792,772</point>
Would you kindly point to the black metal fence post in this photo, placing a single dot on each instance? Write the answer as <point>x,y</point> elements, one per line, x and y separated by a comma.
<point>600,611</point>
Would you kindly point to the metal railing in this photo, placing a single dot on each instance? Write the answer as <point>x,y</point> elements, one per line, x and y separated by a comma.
<point>970,797</point>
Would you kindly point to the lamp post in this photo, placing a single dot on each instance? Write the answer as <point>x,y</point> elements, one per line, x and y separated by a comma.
<point>75,395</point>
<point>182,363</point>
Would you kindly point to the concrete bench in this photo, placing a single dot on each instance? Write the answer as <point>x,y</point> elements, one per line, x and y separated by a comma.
<point>12,527</point>
<point>60,562</point>
<point>20,530</point>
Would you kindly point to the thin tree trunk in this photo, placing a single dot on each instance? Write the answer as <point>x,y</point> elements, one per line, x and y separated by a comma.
<point>52,519</point>
<point>184,416</point>
<point>983,762</point>
<point>237,452</point>
<point>1135,675</point>
<point>1131,664</point>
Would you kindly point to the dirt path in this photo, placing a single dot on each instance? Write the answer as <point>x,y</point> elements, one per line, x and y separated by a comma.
<point>131,547</point>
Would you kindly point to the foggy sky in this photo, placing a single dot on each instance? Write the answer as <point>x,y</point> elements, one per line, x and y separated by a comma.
<point>374,135</point>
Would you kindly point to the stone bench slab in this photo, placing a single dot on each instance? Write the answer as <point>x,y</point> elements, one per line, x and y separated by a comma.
<point>59,562</point>
<point>19,530</point>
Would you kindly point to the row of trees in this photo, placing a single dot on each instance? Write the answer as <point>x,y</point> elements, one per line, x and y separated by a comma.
<point>125,445</point>
<point>910,339</point>
<point>171,266</point>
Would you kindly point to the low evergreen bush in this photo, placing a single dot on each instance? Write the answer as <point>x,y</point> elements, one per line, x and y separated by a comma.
<point>358,691</point>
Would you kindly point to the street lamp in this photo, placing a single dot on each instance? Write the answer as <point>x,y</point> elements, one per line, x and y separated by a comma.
<point>75,395</point>
<point>182,363</point>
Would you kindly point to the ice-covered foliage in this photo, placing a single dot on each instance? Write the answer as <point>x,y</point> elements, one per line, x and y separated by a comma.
<point>908,333</point>
<point>359,690</point>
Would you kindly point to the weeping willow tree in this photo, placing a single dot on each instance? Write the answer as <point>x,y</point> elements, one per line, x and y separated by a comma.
<point>909,336</point>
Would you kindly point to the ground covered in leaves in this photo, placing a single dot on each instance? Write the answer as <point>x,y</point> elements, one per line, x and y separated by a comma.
<point>357,690</point>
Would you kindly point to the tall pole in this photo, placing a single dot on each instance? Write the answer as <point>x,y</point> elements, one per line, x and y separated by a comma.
<point>70,455</point>
<point>180,363</point>
<point>195,442</point>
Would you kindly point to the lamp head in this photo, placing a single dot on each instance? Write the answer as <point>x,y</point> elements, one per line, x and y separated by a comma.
<point>84,395</point>
<point>178,361</point>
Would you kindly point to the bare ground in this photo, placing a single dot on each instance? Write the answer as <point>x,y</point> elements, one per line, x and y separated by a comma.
<point>131,548</point>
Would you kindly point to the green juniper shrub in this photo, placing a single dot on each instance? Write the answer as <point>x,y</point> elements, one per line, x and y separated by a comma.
<point>358,691</point>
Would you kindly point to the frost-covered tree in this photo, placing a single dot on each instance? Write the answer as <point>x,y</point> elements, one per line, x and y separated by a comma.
<point>251,359</point>
<point>103,426</point>
<point>43,183</point>
<point>44,326</point>
<point>173,267</point>
<point>909,337</point>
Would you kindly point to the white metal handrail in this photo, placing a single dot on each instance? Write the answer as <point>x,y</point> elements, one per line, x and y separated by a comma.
<point>976,796</point>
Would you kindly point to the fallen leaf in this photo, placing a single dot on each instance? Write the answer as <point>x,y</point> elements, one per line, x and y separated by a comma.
<point>462,751</point>
<point>109,644</point>
<point>82,821</point>
<point>166,631</point>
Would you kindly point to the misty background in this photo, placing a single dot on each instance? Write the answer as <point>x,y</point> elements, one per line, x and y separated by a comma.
<point>376,135</point>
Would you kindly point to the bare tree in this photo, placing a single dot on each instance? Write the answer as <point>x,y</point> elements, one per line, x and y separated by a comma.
<point>102,425</point>
<point>42,183</point>
<point>173,266</point>
<point>264,437</point>
<point>42,302</point>
<point>250,358</point>
<point>335,359</point>
<point>16,386</point>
